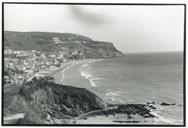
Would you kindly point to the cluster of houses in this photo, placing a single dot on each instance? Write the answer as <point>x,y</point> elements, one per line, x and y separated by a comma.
<point>20,65</point>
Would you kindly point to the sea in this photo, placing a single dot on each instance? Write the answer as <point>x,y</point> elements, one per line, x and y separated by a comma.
<point>135,78</point>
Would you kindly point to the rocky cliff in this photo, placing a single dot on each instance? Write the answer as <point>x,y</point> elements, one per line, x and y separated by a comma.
<point>46,41</point>
<point>42,101</point>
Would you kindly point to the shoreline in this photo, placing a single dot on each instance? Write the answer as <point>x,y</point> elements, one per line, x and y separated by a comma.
<point>59,75</point>
<point>114,115</point>
<point>53,70</point>
<point>91,117</point>
<point>117,119</point>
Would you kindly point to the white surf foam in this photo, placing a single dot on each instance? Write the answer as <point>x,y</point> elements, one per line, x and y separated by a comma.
<point>113,96</point>
<point>63,72</point>
<point>92,83</point>
<point>111,93</point>
<point>93,61</point>
<point>87,75</point>
<point>163,119</point>
<point>85,65</point>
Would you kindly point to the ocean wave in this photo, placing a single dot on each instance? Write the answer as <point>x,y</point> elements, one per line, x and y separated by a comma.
<point>84,71</point>
<point>163,119</point>
<point>93,84</point>
<point>63,72</point>
<point>93,61</point>
<point>115,97</point>
<point>85,65</point>
<point>112,94</point>
<point>86,75</point>
<point>90,62</point>
<point>90,77</point>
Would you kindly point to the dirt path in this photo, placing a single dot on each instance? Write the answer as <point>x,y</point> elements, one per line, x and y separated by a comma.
<point>93,112</point>
<point>14,116</point>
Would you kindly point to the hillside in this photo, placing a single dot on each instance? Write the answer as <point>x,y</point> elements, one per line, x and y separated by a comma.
<point>46,41</point>
<point>41,101</point>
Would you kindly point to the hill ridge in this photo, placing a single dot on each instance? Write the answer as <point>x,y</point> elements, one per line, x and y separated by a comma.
<point>47,41</point>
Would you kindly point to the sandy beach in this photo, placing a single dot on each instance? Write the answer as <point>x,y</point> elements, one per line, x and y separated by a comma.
<point>59,74</point>
<point>53,70</point>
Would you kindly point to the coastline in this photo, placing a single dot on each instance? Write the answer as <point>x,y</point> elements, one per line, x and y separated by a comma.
<point>90,118</point>
<point>52,71</point>
<point>113,116</point>
<point>60,74</point>
<point>102,119</point>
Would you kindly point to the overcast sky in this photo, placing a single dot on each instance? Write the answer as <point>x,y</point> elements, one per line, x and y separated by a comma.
<point>129,28</point>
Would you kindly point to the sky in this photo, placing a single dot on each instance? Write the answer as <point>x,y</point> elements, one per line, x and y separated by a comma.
<point>130,28</point>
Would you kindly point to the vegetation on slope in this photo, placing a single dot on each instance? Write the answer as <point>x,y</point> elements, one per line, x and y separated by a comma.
<point>45,41</point>
<point>41,100</point>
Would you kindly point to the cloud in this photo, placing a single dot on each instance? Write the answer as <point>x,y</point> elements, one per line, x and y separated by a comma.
<point>87,17</point>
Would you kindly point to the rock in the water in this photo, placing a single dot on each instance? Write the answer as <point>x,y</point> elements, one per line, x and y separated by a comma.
<point>167,104</point>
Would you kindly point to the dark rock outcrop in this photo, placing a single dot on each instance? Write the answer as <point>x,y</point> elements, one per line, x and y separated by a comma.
<point>166,104</point>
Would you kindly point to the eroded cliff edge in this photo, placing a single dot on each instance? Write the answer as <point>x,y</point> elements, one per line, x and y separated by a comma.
<point>41,101</point>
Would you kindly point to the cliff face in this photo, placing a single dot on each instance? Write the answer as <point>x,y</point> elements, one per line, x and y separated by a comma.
<point>42,102</point>
<point>45,41</point>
